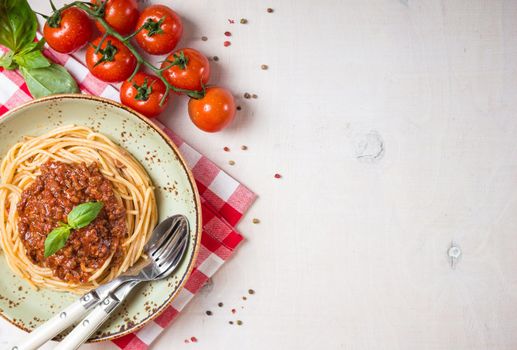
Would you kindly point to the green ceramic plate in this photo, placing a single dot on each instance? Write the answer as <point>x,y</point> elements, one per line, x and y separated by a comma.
<point>26,307</point>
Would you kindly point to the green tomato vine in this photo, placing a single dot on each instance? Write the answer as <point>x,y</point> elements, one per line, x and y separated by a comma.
<point>97,12</point>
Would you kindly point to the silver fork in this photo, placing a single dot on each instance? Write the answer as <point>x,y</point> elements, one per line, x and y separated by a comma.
<point>164,251</point>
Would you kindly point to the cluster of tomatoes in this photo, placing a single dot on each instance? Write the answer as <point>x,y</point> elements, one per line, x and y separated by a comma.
<point>156,30</point>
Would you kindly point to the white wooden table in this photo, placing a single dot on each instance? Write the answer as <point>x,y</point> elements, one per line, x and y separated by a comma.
<point>394,126</point>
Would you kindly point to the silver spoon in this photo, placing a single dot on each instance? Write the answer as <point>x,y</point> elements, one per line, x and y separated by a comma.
<point>164,251</point>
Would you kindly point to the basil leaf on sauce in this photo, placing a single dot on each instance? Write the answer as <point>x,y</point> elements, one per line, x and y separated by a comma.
<point>50,80</point>
<point>83,214</point>
<point>56,239</point>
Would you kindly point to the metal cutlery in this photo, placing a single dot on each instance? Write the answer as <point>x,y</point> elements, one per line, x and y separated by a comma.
<point>164,250</point>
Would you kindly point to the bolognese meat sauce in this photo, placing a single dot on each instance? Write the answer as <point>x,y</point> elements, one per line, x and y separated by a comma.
<point>48,200</point>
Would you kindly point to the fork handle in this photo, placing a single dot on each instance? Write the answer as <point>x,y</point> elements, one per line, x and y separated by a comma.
<point>57,323</point>
<point>88,325</point>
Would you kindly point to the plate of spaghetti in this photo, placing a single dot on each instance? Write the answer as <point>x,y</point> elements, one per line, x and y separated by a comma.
<point>83,182</point>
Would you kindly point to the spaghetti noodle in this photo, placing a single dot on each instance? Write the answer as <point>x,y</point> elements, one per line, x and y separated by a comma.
<point>132,188</point>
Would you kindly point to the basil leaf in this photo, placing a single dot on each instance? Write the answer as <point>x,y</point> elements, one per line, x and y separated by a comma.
<point>32,59</point>
<point>40,44</point>
<point>27,48</point>
<point>56,239</point>
<point>50,80</point>
<point>83,214</point>
<point>18,24</point>
<point>6,61</point>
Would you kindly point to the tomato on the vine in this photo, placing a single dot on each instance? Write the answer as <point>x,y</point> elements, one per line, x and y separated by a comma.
<point>144,93</point>
<point>68,30</point>
<point>214,111</point>
<point>113,62</point>
<point>162,29</point>
<point>189,69</point>
<point>121,15</point>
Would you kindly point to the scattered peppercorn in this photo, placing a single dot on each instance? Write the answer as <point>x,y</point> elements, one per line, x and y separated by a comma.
<point>204,38</point>
<point>220,304</point>
<point>256,221</point>
<point>227,43</point>
<point>230,322</point>
<point>239,108</point>
<point>264,67</point>
<point>216,58</point>
<point>247,95</point>
<point>278,176</point>
<point>209,313</point>
<point>239,322</point>
<point>244,21</point>
<point>270,10</point>
<point>251,291</point>
<point>244,298</point>
<point>234,311</point>
<point>227,33</point>
<point>254,96</point>
<point>231,162</point>
<point>226,149</point>
<point>244,147</point>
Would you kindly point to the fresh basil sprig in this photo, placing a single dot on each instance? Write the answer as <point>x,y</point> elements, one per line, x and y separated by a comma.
<point>50,80</point>
<point>83,214</point>
<point>79,217</point>
<point>18,26</point>
<point>56,239</point>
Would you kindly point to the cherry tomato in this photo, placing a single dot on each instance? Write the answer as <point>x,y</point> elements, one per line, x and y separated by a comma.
<point>162,30</point>
<point>190,71</point>
<point>113,62</point>
<point>144,93</point>
<point>68,31</point>
<point>121,15</point>
<point>214,111</point>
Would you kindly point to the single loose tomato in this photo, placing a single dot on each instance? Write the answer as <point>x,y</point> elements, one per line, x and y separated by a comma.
<point>162,30</point>
<point>113,62</point>
<point>68,30</point>
<point>214,111</point>
<point>121,15</point>
<point>144,94</point>
<point>189,69</point>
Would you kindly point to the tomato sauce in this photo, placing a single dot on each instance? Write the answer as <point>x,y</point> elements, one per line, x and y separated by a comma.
<point>48,200</point>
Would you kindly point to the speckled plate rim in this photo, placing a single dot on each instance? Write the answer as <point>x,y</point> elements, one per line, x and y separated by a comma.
<point>191,180</point>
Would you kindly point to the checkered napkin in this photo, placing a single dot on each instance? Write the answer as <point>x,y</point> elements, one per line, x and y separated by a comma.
<point>224,200</point>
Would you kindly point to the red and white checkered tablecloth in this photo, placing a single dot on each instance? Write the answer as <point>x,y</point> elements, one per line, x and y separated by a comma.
<point>224,200</point>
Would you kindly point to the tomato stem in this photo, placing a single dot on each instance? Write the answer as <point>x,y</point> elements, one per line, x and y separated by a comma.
<point>137,68</point>
<point>134,33</point>
<point>42,15</point>
<point>143,91</point>
<point>167,90</point>
<point>153,27</point>
<point>101,42</point>
<point>108,53</point>
<point>179,60</point>
<point>97,11</point>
